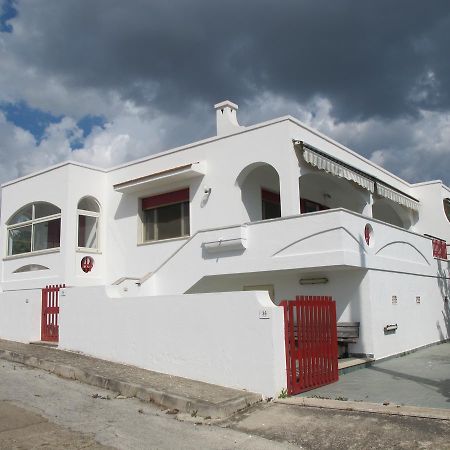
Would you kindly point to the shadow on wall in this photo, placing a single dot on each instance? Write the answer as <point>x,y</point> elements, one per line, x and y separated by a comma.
<point>444,287</point>
<point>349,296</point>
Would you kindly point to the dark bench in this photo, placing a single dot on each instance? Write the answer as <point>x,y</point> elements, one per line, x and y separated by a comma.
<point>347,333</point>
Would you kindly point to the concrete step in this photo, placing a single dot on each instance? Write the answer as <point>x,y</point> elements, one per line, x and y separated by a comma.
<point>346,365</point>
<point>171,392</point>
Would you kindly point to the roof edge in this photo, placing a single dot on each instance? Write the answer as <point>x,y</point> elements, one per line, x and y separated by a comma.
<point>49,169</point>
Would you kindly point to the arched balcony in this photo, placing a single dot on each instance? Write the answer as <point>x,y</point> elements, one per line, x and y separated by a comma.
<point>260,191</point>
<point>320,191</point>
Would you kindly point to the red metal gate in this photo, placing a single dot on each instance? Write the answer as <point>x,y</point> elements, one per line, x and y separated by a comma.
<point>50,311</point>
<point>311,342</point>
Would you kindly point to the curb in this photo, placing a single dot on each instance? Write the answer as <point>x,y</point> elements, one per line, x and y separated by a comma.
<point>159,397</point>
<point>375,408</point>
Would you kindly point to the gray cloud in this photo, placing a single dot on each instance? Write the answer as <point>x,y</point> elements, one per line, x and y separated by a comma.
<point>379,65</point>
<point>369,58</point>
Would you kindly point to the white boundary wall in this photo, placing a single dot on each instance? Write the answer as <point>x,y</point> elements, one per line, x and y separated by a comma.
<point>20,315</point>
<point>217,338</point>
<point>418,324</point>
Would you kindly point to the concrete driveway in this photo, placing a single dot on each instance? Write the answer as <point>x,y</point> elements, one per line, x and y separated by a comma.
<point>420,379</point>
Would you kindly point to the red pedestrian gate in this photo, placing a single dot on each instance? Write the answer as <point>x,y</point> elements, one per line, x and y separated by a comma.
<point>50,311</point>
<point>311,342</point>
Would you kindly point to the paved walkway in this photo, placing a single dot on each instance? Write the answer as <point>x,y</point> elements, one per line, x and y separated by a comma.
<point>419,379</point>
<point>206,400</point>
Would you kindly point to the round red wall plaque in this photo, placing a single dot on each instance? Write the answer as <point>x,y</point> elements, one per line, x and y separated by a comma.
<point>87,263</point>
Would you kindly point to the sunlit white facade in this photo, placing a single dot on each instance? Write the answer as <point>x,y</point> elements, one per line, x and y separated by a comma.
<point>276,207</point>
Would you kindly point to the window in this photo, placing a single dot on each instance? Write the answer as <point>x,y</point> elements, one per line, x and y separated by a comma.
<point>271,205</point>
<point>447,208</point>
<point>307,206</point>
<point>33,228</point>
<point>166,216</point>
<point>30,268</point>
<point>88,217</point>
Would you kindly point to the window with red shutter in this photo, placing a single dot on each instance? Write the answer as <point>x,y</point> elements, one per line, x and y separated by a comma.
<point>271,205</point>
<point>166,216</point>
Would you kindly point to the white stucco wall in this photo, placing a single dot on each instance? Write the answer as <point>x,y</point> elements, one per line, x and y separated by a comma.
<point>419,324</point>
<point>348,288</point>
<point>62,186</point>
<point>432,215</point>
<point>20,315</point>
<point>216,338</point>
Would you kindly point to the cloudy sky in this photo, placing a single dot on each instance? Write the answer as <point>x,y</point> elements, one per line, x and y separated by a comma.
<point>106,81</point>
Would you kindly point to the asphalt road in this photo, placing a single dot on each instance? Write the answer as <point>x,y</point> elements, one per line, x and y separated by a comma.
<point>40,410</point>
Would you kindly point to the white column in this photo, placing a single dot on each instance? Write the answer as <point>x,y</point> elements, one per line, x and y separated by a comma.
<point>290,192</point>
<point>367,211</point>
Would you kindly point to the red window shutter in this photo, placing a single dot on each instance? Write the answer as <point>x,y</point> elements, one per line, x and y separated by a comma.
<point>165,199</point>
<point>271,197</point>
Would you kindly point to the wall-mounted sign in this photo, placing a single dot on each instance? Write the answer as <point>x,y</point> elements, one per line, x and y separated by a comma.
<point>87,263</point>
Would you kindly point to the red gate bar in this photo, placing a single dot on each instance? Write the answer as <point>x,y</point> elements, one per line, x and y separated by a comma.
<point>311,342</point>
<point>50,311</point>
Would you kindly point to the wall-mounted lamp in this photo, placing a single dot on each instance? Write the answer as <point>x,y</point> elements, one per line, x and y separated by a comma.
<point>320,280</point>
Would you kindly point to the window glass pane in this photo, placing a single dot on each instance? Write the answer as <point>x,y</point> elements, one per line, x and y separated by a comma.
<point>45,209</point>
<point>22,215</point>
<point>186,223</point>
<point>270,210</point>
<point>19,240</point>
<point>46,234</point>
<point>88,204</point>
<point>87,231</point>
<point>169,221</point>
<point>149,225</point>
<point>30,268</point>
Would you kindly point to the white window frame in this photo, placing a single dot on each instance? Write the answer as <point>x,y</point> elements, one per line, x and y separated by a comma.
<point>32,222</point>
<point>183,225</point>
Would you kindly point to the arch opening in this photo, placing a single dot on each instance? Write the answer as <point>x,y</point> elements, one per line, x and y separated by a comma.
<point>320,191</point>
<point>260,191</point>
<point>390,212</point>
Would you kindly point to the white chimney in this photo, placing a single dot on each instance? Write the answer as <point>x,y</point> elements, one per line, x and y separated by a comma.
<point>226,118</point>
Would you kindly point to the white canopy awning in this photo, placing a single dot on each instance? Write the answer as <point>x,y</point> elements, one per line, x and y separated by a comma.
<point>161,179</point>
<point>397,197</point>
<point>333,167</point>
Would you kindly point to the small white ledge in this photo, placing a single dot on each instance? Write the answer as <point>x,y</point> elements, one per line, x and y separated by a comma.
<point>225,245</point>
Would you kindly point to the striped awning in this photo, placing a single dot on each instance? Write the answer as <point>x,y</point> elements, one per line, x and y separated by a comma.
<point>397,197</point>
<point>333,167</point>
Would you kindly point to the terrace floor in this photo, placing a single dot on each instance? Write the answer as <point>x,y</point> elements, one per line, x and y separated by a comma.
<point>421,378</point>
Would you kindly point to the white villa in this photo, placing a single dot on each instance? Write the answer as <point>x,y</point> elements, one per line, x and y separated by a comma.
<point>191,250</point>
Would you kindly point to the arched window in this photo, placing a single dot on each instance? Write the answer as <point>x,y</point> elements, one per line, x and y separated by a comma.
<point>447,208</point>
<point>88,217</point>
<point>34,228</point>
